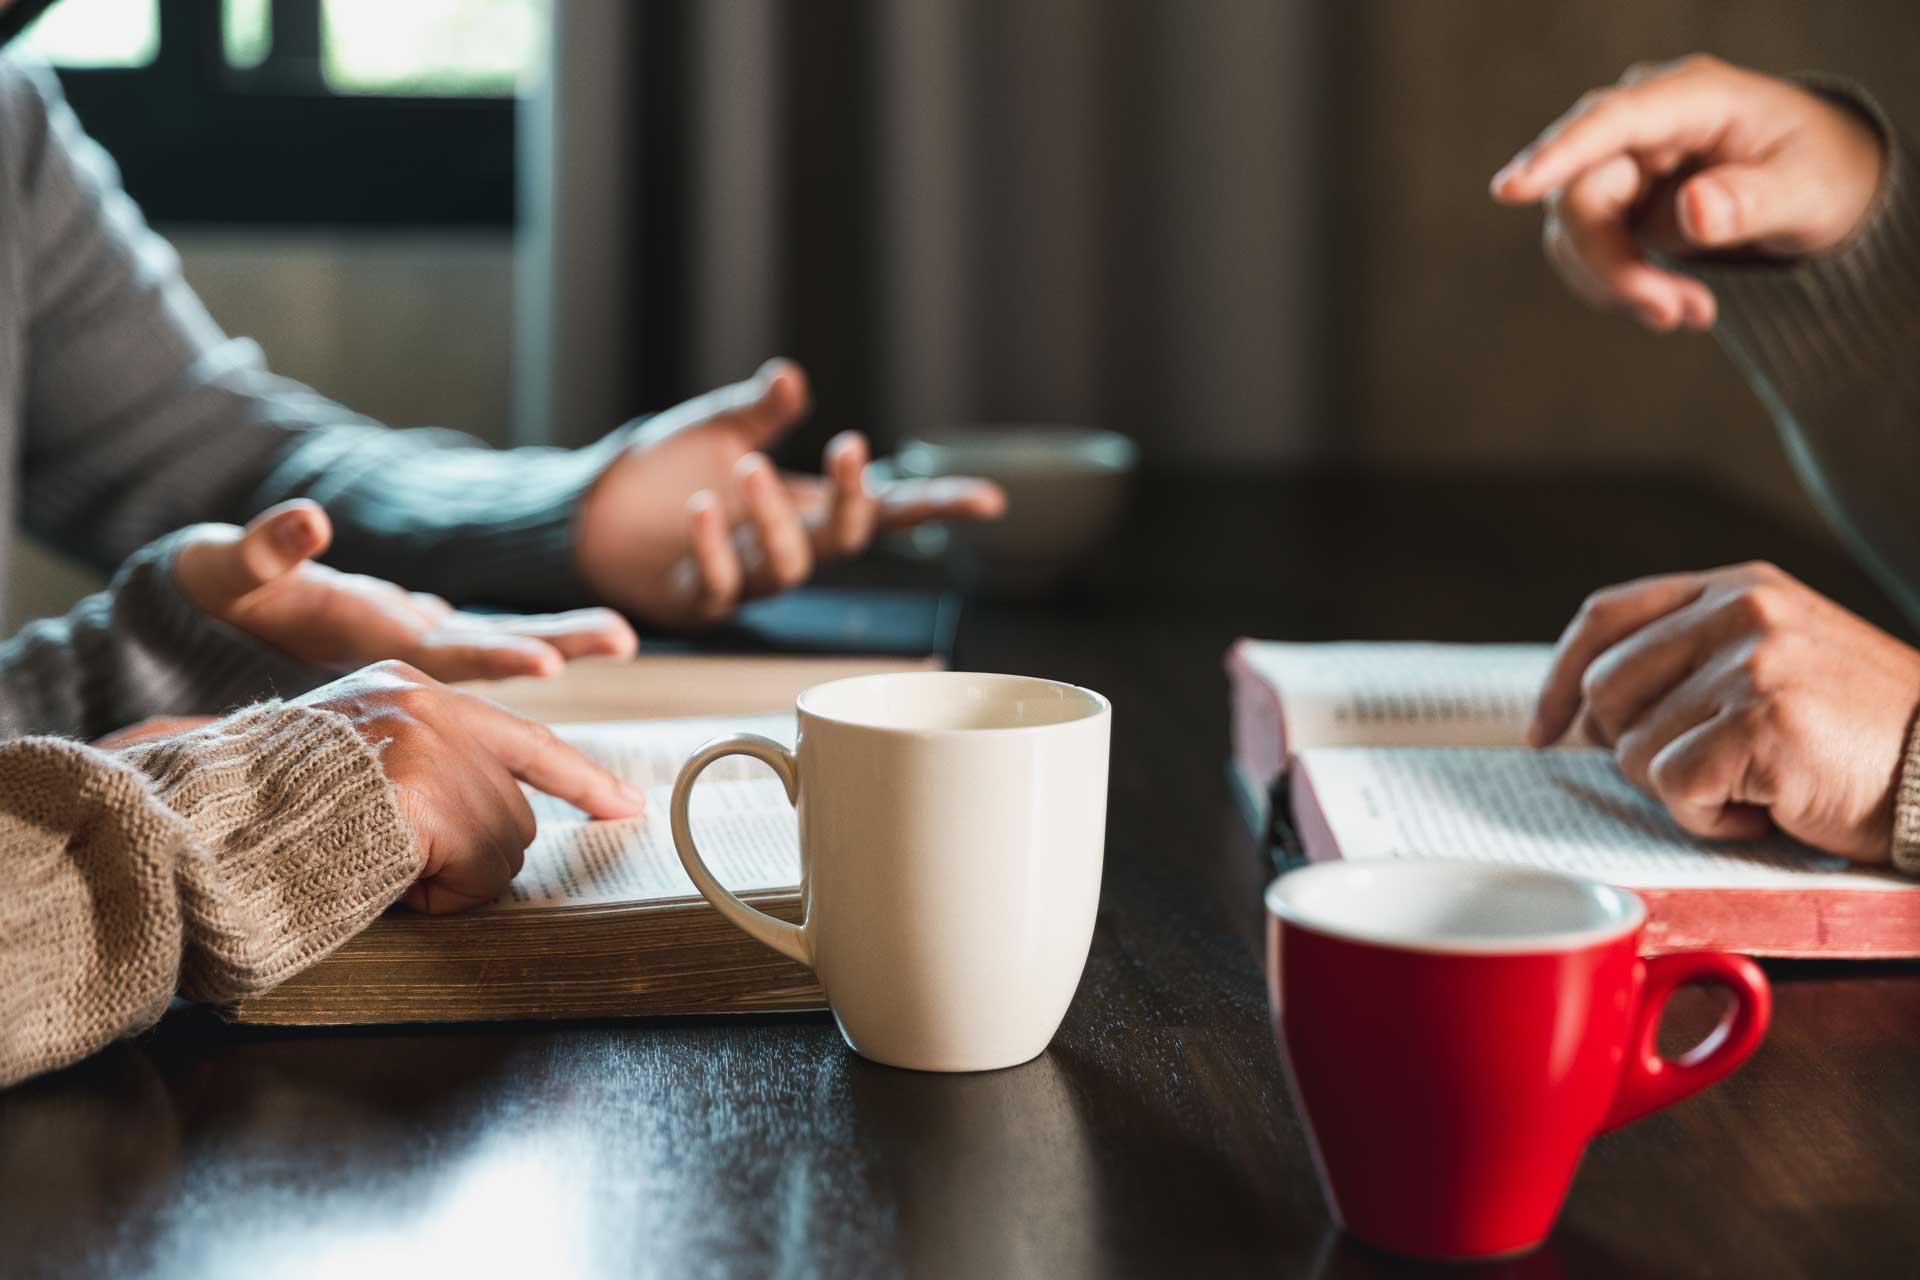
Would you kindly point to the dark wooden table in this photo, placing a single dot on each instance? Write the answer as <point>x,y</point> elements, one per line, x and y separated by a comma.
<point>1154,1137</point>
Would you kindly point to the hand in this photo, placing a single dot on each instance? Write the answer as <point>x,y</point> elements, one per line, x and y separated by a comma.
<point>453,759</point>
<point>261,580</point>
<point>1696,155</point>
<point>1741,700</point>
<point>692,518</point>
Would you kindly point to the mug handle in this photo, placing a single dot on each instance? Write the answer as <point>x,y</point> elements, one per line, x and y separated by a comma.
<point>1650,1081</point>
<point>788,939</point>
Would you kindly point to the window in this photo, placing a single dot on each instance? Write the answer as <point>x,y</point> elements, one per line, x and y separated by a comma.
<point>354,112</point>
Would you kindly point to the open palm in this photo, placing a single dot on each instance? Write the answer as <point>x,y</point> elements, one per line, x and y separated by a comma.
<point>261,580</point>
<point>692,517</point>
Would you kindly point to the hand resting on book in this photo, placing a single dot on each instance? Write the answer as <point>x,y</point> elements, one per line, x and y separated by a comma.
<point>1741,699</point>
<point>453,759</point>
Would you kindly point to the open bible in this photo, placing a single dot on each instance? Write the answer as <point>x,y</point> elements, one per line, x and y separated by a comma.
<point>602,921</point>
<point>1416,751</point>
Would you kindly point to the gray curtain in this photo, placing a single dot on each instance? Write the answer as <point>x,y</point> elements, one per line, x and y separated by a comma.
<point>1100,211</point>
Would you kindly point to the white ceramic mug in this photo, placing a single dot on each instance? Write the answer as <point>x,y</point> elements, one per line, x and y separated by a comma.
<point>952,826</point>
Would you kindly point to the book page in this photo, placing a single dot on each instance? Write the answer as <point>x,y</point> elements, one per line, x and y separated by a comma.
<point>745,829</point>
<point>649,753</point>
<point>1569,810</point>
<point>1403,694</point>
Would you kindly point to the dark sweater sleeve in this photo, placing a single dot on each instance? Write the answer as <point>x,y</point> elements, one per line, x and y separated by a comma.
<point>139,648</point>
<point>141,416</point>
<point>1831,344</point>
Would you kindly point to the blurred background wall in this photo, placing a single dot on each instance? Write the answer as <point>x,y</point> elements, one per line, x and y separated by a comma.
<point>1250,232</point>
<point>1458,347</point>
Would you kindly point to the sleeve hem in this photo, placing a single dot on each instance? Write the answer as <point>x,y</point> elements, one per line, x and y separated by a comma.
<point>304,842</point>
<point>1906,806</point>
<point>1838,317</point>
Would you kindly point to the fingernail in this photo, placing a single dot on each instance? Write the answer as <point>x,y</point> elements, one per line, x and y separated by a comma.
<point>1508,171</point>
<point>290,535</point>
<point>1712,210</point>
<point>633,794</point>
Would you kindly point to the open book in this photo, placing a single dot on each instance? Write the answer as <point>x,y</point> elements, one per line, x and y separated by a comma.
<point>602,921</point>
<point>1416,751</point>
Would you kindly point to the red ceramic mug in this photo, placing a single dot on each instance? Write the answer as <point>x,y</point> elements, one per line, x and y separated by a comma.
<point>1455,1034</point>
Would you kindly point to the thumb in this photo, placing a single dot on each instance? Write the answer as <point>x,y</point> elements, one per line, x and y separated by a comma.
<point>274,543</point>
<point>1732,205</point>
<point>770,402</point>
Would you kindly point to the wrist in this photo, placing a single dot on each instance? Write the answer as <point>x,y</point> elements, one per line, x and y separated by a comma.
<point>1861,141</point>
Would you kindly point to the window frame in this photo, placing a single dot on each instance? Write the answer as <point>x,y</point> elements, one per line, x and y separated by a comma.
<point>199,141</point>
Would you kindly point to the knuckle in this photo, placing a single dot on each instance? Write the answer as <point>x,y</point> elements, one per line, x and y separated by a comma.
<point>1698,63</point>
<point>1672,780</point>
<point>1596,690</point>
<point>395,669</point>
<point>1761,607</point>
<point>1756,720</point>
<point>1600,606</point>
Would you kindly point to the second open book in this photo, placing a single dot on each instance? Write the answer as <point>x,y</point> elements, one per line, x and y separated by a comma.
<point>1416,750</point>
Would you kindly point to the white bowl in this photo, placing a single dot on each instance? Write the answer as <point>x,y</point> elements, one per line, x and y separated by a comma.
<point>1067,490</point>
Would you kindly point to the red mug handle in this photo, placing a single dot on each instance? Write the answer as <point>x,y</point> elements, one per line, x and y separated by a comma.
<point>1649,1081</point>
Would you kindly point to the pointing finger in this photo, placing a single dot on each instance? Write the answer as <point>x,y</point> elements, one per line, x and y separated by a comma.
<point>1677,110</point>
<point>532,753</point>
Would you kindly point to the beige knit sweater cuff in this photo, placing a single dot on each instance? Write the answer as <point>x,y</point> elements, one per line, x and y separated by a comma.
<point>216,864</point>
<point>1906,806</point>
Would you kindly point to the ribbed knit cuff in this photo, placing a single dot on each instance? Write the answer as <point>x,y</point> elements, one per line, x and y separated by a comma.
<point>304,842</point>
<point>1906,807</point>
<point>188,662</point>
<point>1819,324</point>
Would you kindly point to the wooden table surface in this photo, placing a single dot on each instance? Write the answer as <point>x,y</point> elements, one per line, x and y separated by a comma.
<point>1154,1137</point>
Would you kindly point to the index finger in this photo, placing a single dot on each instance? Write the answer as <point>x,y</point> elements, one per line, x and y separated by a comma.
<point>1675,110</point>
<point>1606,618</point>
<point>533,753</point>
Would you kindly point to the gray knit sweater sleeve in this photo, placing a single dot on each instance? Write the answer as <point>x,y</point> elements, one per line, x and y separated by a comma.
<point>140,416</point>
<point>137,649</point>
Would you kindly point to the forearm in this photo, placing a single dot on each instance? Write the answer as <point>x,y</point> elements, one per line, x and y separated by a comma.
<point>214,864</point>
<point>1832,346</point>
<point>137,649</point>
<point>437,511</point>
